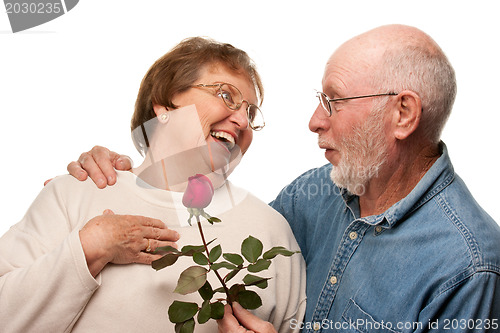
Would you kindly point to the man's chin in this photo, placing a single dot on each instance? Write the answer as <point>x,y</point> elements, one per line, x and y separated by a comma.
<point>353,186</point>
<point>333,156</point>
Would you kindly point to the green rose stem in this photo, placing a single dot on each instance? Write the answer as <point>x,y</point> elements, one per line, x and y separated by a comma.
<point>198,195</point>
<point>209,262</point>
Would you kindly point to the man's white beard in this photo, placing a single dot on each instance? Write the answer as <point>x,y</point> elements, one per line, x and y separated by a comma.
<point>362,155</point>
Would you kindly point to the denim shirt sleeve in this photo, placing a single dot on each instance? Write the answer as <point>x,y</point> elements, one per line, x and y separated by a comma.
<point>469,305</point>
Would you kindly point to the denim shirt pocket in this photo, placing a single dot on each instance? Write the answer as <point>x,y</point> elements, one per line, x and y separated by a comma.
<point>357,320</point>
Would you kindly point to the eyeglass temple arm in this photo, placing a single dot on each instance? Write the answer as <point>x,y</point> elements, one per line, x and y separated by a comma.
<point>364,96</point>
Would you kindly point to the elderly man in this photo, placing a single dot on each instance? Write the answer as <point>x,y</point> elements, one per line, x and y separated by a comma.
<point>392,238</point>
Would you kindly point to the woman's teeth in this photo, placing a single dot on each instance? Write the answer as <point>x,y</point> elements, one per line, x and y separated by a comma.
<point>226,138</point>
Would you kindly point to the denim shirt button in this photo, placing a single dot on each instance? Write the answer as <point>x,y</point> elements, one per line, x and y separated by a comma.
<point>378,229</point>
<point>333,279</point>
<point>316,326</point>
<point>353,235</point>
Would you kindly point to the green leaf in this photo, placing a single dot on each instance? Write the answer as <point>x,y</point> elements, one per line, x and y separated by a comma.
<point>166,260</point>
<point>206,292</point>
<point>224,264</point>
<point>191,280</point>
<point>189,250</point>
<point>253,280</point>
<point>215,253</point>
<point>179,312</point>
<point>167,248</point>
<point>205,312</point>
<point>232,274</point>
<point>234,291</point>
<point>260,265</point>
<point>185,327</point>
<point>219,290</point>
<point>217,310</point>
<point>234,258</point>
<point>200,258</point>
<point>251,249</point>
<point>278,250</point>
<point>214,219</point>
<point>249,299</point>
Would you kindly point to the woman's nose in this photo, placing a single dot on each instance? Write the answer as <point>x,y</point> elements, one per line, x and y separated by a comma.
<point>240,117</point>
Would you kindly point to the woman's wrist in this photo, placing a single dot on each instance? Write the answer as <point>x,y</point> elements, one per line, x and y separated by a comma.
<point>96,256</point>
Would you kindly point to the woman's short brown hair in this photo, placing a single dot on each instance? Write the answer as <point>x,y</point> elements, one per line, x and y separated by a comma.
<point>176,72</point>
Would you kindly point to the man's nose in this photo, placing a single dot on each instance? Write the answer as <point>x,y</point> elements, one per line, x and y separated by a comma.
<point>319,120</point>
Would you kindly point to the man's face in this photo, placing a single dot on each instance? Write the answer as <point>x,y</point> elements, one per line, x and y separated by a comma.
<point>353,136</point>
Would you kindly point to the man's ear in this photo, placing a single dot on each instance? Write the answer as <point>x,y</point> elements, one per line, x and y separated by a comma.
<point>407,114</point>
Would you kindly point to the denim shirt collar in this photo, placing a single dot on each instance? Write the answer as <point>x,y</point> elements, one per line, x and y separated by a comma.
<point>438,177</point>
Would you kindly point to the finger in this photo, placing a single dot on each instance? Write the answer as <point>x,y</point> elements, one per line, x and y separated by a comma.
<point>88,163</point>
<point>121,162</point>
<point>149,247</point>
<point>47,181</point>
<point>154,244</point>
<point>147,258</point>
<point>147,221</point>
<point>228,323</point>
<point>108,212</point>
<point>162,234</point>
<point>75,169</point>
<point>156,229</point>
<point>105,160</point>
<point>250,321</point>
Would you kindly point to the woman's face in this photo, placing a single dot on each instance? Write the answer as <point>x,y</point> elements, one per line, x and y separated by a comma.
<point>219,123</point>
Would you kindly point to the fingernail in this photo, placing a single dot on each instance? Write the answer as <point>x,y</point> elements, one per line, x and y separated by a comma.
<point>101,182</point>
<point>124,160</point>
<point>110,179</point>
<point>121,162</point>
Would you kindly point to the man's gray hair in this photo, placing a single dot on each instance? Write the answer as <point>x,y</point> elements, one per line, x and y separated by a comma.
<point>425,71</point>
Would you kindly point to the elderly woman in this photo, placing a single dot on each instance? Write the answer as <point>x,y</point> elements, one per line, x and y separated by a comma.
<point>66,266</point>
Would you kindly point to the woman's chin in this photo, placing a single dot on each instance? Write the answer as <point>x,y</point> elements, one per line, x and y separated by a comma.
<point>221,159</point>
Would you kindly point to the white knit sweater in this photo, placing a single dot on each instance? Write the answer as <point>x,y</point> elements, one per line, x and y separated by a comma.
<point>45,285</point>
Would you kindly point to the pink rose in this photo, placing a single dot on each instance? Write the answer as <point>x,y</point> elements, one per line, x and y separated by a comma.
<point>199,192</point>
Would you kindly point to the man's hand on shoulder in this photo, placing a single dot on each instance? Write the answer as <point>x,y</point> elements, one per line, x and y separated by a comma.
<point>99,164</point>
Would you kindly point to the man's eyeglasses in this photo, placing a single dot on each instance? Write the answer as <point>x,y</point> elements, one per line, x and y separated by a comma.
<point>233,98</point>
<point>325,100</point>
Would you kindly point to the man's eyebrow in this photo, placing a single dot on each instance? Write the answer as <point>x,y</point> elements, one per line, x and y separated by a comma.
<point>331,92</point>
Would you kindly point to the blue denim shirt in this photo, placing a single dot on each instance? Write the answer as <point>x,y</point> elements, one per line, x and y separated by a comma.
<point>431,262</point>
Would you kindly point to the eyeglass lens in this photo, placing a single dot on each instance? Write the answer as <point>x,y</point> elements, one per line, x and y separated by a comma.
<point>233,98</point>
<point>323,99</point>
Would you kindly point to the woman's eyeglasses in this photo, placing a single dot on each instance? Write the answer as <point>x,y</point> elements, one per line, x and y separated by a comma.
<point>233,98</point>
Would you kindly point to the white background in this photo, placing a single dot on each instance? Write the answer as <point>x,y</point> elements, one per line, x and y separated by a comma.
<point>71,83</point>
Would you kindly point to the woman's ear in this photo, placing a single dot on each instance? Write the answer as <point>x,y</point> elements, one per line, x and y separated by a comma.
<point>161,113</point>
<point>407,114</point>
<point>159,109</point>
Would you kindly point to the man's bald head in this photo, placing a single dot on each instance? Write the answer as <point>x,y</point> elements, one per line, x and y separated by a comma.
<point>393,58</point>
